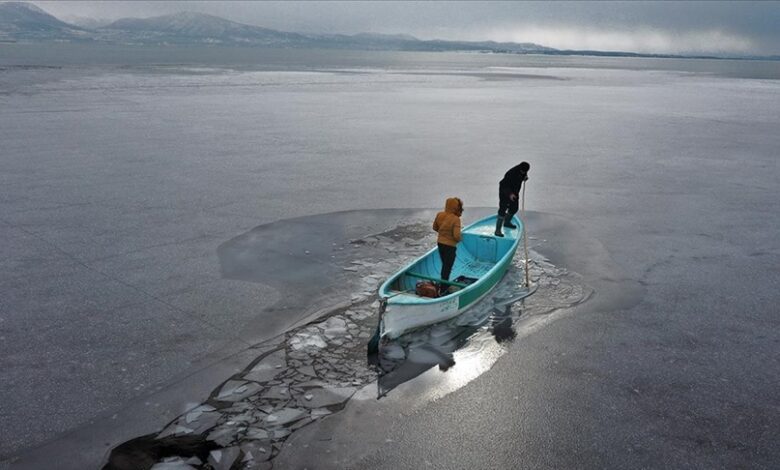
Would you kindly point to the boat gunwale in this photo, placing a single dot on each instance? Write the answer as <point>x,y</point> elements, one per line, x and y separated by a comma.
<point>396,298</point>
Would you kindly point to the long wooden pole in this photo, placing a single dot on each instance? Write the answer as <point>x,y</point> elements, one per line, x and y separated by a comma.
<point>525,236</point>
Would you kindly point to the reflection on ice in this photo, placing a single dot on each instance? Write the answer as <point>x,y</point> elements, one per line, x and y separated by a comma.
<point>476,335</point>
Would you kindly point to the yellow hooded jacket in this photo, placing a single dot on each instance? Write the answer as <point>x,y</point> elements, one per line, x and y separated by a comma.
<point>447,223</point>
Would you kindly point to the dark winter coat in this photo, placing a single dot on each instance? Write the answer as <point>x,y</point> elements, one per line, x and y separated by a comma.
<point>513,181</point>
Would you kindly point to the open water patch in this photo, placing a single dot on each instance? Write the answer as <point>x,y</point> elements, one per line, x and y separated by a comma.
<point>313,370</point>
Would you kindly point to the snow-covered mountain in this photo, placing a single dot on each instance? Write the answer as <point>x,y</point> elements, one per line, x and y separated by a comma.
<point>20,21</point>
<point>25,21</point>
<point>87,22</point>
<point>188,27</point>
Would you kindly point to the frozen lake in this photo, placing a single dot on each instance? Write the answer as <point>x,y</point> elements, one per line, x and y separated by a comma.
<point>122,171</point>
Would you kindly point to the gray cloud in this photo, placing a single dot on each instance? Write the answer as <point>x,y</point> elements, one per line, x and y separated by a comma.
<point>744,27</point>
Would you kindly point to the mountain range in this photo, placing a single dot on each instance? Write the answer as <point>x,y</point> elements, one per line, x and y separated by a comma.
<point>25,22</point>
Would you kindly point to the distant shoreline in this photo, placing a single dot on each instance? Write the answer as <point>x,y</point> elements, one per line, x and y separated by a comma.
<point>555,53</point>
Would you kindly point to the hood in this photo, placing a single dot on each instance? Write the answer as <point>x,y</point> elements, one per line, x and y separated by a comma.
<point>454,206</point>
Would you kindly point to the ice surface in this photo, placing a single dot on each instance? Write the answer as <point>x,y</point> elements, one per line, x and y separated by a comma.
<point>257,433</point>
<point>179,465</point>
<point>334,327</point>
<point>225,434</point>
<point>307,370</point>
<point>196,412</point>
<point>280,432</point>
<point>284,416</point>
<point>268,367</point>
<point>268,417</point>
<point>320,412</point>
<point>143,164</point>
<point>223,459</point>
<point>312,383</point>
<point>278,392</point>
<point>323,397</point>
<point>176,429</point>
<point>309,338</point>
<point>236,390</point>
<point>256,450</point>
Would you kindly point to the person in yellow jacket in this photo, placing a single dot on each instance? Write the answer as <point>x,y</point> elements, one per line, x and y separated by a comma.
<point>447,225</point>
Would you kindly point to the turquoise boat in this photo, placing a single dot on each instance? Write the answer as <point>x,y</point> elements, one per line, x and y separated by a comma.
<point>482,257</point>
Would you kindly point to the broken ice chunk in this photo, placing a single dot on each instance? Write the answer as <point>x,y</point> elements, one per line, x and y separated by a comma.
<point>172,466</point>
<point>175,429</point>
<point>257,433</point>
<point>279,432</point>
<point>307,370</point>
<point>224,435</point>
<point>334,327</point>
<point>312,384</point>
<point>195,413</point>
<point>329,396</point>
<point>256,451</point>
<point>268,367</point>
<point>319,412</point>
<point>223,459</point>
<point>308,337</point>
<point>278,392</point>
<point>236,390</point>
<point>245,418</point>
<point>284,416</point>
<point>300,423</point>
<point>206,421</point>
<point>240,407</point>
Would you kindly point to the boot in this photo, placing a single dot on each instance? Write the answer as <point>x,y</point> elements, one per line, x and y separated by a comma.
<point>499,223</point>
<point>443,290</point>
<point>508,222</point>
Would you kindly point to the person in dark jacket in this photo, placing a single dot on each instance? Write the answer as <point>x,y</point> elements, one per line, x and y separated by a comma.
<point>509,194</point>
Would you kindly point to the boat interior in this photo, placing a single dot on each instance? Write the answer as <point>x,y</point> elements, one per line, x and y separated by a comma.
<point>478,251</point>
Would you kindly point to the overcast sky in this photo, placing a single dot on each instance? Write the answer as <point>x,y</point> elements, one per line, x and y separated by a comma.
<point>662,27</point>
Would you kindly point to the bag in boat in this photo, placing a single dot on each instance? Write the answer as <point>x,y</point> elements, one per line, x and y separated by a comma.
<point>466,280</point>
<point>426,289</point>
